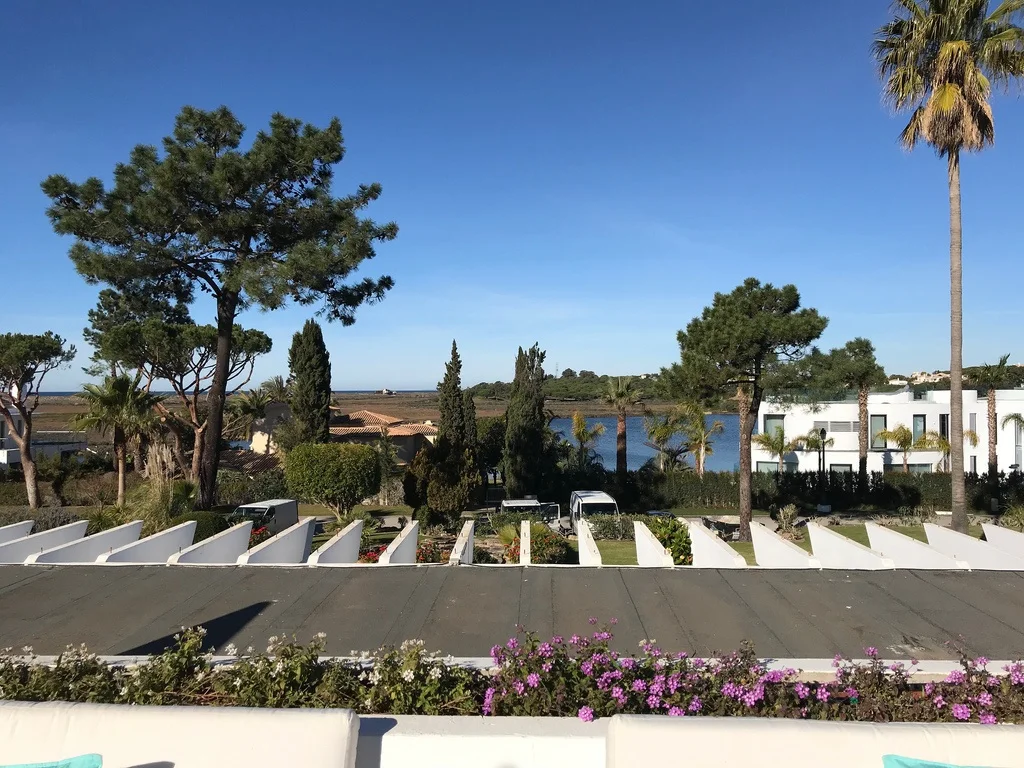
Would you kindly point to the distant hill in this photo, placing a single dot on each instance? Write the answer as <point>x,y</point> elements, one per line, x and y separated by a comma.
<point>585,385</point>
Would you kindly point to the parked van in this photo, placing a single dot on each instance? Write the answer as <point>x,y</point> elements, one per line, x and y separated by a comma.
<point>275,514</point>
<point>588,503</point>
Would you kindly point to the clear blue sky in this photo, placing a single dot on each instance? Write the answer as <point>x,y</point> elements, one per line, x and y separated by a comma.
<point>582,178</point>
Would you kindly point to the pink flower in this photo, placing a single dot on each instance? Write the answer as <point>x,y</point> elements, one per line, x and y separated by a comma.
<point>533,679</point>
<point>929,688</point>
<point>985,699</point>
<point>557,640</point>
<point>981,661</point>
<point>961,712</point>
<point>592,620</point>
<point>586,714</point>
<point>695,704</point>
<point>676,712</point>
<point>518,687</point>
<point>871,651</point>
<point>852,693</point>
<point>546,666</point>
<point>653,701</point>
<point>822,693</point>
<point>939,702</point>
<point>545,650</point>
<point>956,677</point>
<point>639,686</point>
<point>987,718</point>
<point>488,707</point>
<point>587,667</point>
<point>619,695</point>
<point>613,621</point>
<point>512,643</point>
<point>574,640</point>
<point>801,690</point>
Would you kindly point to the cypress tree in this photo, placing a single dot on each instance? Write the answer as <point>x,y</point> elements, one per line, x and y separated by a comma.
<point>310,366</point>
<point>469,413</point>
<point>451,426</point>
<point>525,425</point>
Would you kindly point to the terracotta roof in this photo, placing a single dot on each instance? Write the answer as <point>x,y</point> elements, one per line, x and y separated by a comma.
<point>365,419</point>
<point>404,430</point>
<point>341,431</point>
<point>248,462</point>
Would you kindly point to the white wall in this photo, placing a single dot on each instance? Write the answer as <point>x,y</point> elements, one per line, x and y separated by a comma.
<point>153,549</point>
<point>16,531</point>
<point>773,551</point>
<point>462,552</point>
<point>220,549</point>
<point>1004,539</point>
<point>981,555</point>
<point>650,553</point>
<point>402,550</point>
<point>16,551</point>
<point>833,550</point>
<point>906,552</point>
<point>709,551</point>
<point>590,555</point>
<point>88,549</point>
<point>289,547</point>
<point>343,548</point>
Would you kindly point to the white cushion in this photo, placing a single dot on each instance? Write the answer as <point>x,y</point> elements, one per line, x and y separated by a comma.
<point>726,742</point>
<point>178,737</point>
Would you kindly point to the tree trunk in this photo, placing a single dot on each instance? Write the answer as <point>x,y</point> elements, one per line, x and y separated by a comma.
<point>993,462</point>
<point>747,419</point>
<point>862,440</point>
<point>121,454</point>
<point>782,463</point>
<point>198,451</point>
<point>956,363</point>
<point>227,304</point>
<point>28,468</point>
<point>620,444</point>
<point>906,463</point>
<point>700,461</point>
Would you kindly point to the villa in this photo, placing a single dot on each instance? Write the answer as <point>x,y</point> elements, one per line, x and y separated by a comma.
<point>44,444</point>
<point>920,412</point>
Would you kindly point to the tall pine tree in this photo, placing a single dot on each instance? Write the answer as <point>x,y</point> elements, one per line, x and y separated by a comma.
<point>469,414</point>
<point>310,366</point>
<point>525,426</point>
<point>451,426</point>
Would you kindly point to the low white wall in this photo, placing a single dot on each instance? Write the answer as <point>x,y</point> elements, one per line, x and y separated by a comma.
<point>1004,539</point>
<point>981,555</point>
<point>220,549</point>
<point>289,547</point>
<point>342,548</point>
<point>906,552</point>
<point>400,741</point>
<point>773,551</point>
<point>589,553</point>
<point>650,553</point>
<point>709,551</point>
<point>462,552</point>
<point>524,542</point>
<point>16,531</point>
<point>16,551</point>
<point>88,549</point>
<point>153,549</point>
<point>833,550</point>
<point>402,551</point>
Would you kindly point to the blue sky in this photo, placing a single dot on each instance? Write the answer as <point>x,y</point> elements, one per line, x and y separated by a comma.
<point>582,178</point>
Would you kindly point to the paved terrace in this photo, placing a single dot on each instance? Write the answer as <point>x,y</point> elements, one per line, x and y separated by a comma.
<point>463,611</point>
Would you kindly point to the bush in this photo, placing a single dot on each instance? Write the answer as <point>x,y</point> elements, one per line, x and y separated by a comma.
<point>548,548</point>
<point>483,557</point>
<point>615,527</point>
<point>335,475</point>
<point>235,489</point>
<point>207,524</point>
<point>45,519</point>
<point>13,494</point>
<point>674,536</point>
<point>431,552</point>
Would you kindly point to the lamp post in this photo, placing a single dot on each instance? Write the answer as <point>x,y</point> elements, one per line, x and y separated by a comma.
<point>823,505</point>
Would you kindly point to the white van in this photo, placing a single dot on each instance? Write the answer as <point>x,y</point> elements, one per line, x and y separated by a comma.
<point>276,514</point>
<point>588,503</point>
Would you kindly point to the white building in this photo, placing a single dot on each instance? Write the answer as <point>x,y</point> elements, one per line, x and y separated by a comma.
<point>919,411</point>
<point>44,444</point>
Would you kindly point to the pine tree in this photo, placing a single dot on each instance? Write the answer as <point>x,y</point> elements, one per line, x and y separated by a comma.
<point>526,422</point>
<point>451,426</point>
<point>469,413</point>
<point>310,366</point>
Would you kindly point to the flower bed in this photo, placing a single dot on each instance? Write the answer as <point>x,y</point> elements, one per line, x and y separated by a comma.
<point>580,676</point>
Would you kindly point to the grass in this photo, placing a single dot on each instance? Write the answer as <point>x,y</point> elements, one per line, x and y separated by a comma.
<point>746,549</point>
<point>617,552</point>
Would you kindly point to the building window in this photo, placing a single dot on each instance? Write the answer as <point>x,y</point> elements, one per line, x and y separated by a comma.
<point>920,469</point>
<point>920,426</point>
<point>944,425</point>
<point>768,466</point>
<point>773,423</point>
<point>878,424</point>
<point>846,469</point>
<point>974,463</point>
<point>972,422</point>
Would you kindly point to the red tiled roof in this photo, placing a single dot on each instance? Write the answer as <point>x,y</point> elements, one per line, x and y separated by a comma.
<point>365,419</point>
<point>404,430</point>
<point>341,431</point>
<point>248,462</point>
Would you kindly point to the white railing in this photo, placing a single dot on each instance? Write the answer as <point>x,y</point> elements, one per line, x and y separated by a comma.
<point>773,551</point>
<point>590,555</point>
<point>402,551</point>
<point>342,549</point>
<point>462,552</point>
<point>650,553</point>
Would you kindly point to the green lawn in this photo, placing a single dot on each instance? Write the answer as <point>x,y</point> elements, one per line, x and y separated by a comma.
<point>617,552</point>
<point>746,549</point>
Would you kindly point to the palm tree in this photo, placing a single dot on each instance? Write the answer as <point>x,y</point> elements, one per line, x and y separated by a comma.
<point>120,406</point>
<point>585,438</point>
<point>939,59</point>
<point>700,436</point>
<point>903,439</point>
<point>992,377</point>
<point>856,368</point>
<point>660,431</point>
<point>277,389</point>
<point>245,409</point>
<point>933,441</point>
<point>623,398</point>
<point>812,441</point>
<point>776,444</point>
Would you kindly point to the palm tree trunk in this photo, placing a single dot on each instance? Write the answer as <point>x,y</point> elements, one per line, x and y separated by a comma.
<point>906,463</point>
<point>620,444</point>
<point>782,463</point>
<point>121,454</point>
<point>956,339</point>
<point>993,463</point>
<point>862,439</point>
<point>746,432</point>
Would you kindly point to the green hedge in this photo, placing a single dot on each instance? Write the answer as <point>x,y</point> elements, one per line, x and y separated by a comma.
<point>235,489</point>
<point>207,524</point>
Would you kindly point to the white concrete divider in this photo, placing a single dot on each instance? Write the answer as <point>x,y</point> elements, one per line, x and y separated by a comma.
<point>342,548</point>
<point>153,549</point>
<point>773,551</point>
<point>906,552</point>
<point>524,542</point>
<point>709,551</point>
<point>289,547</point>
<point>16,531</point>
<point>16,551</point>
<point>402,551</point>
<point>590,555</point>
<point>220,549</point>
<point>1004,539</point>
<point>981,555</point>
<point>833,550</point>
<point>462,552</point>
<point>91,547</point>
<point>650,553</point>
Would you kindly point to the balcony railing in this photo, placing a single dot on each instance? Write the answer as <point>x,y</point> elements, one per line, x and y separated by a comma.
<point>58,437</point>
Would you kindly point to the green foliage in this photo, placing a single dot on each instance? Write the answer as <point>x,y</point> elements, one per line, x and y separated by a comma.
<point>674,536</point>
<point>335,475</point>
<point>235,488</point>
<point>491,441</point>
<point>586,385</point>
<point>288,434</point>
<point>451,425</point>
<point>310,365</point>
<point>25,359</point>
<point>526,425</point>
<point>614,527</point>
<point>244,409</point>
<point>548,548</point>
<point>207,524</point>
<point>469,414</point>
<point>453,482</point>
<point>414,483</point>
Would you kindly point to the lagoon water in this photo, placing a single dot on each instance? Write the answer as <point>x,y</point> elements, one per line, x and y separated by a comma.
<point>727,444</point>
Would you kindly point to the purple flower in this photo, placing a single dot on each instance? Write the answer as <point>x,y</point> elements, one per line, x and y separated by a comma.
<point>496,651</point>
<point>775,676</point>
<point>602,635</point>
<point>852,693</point>
<point>803,712</point>
<point>822,693</point>
<point>681,655</point>
<point>676,712</point>
<point>956,677</point>
<point>586,714</point>
<point>639,686</point>
<point>545,650</point>
<point>592,620</point>
<point>801,690</point>
<point>619,695</point>
<point>574,640</point>
<point>981,661</point>
<point>751,697</point>
<point>653,701</point>
<point>987,718</point>
<point>871,651</point>
<point>985,699</point>
<point>673,683</point>
<point>512,643</point>
<point>695,704</point>
<point>961,712</point>
<point>939,702</point>
<point>546,666</point>
<point>929,688</point>
<point>992,681</point>
<point>732,690</point>
<point>533,679</point>
<point>914,662</point>
<point>587,667</point>
<point>557,640</point>
<point>613,621</point>
<point>1016,673</point>
<point>837,660</point>
<point>627,663</point>
<point>488,707</point>
<point>896,666</point>
<point>518,687</point>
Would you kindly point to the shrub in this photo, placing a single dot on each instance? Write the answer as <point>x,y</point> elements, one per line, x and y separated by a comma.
<point>13,494</point>
<point>615,527</point>
<point>235,489</point>
<point>336,475</point>
<point>207,524</point>
<point>483,556</point>
<point>674,536</point>
<point>431,552</point>
<point>103,519</point>
<point>258,535</point>
<point>372,554</point>
<point>548,548</point>
<point>45,519</point>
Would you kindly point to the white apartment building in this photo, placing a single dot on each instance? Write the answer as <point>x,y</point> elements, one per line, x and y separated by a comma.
<point>920,412</point>
<point>43,443</point>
